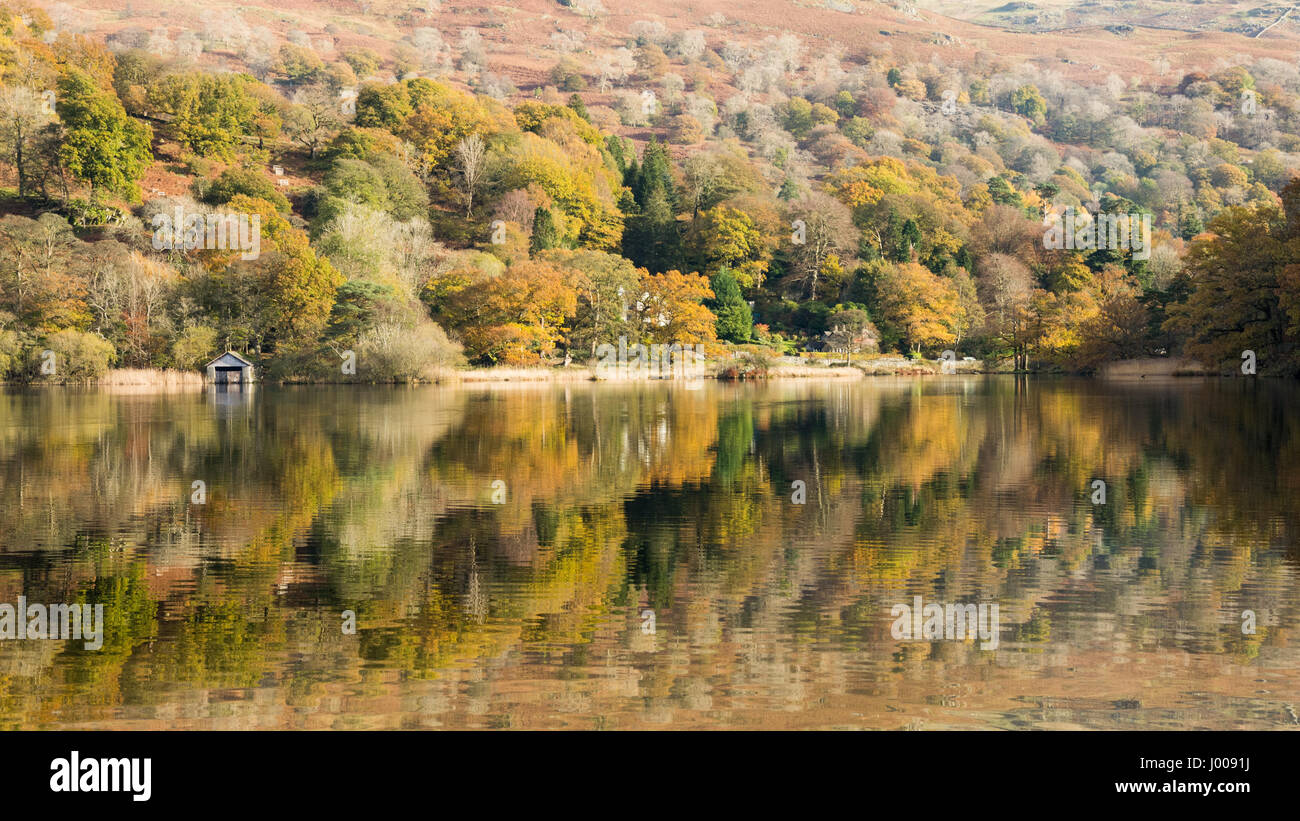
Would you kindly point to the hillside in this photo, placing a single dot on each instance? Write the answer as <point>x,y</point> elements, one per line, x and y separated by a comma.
<point>446,182</point>
<point>1248,19</point>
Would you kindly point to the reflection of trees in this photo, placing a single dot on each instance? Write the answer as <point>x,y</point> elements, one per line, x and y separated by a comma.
<point>621,498</point>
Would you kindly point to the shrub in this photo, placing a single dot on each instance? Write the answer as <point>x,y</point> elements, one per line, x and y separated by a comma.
<point>83,214</point>
<point>567,75</point>
<point>235,181</point>
<point>746,365</point>
<point>78,357</point>
<point>11,350</point>
<point>392,352</point>
<point>194,346</point>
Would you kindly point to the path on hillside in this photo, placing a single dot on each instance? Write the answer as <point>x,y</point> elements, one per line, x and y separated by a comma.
<point>1275,22</point>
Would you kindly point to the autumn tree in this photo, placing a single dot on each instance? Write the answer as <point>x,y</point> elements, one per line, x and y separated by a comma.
<point>295,288</point>
<point>129,294</point>
<point>101,144</point>
<point>517,318</point>
<point>606,286</point>
<point>1245,288</point>
<point>671,309</point>
<point>1118,328</point>
<point>381,182</point>
<point>23,114</point>
<point>725,237</point>
<point>922,304</point>
<point>441,117</point>
<point>822,229</point>
<point>1027,101</point>
<point>44,271</point>
<point>1006,288</point>
<point>380,105</point>
<point>207,113</point>
<point>298,65</point>
<point>313,118</point>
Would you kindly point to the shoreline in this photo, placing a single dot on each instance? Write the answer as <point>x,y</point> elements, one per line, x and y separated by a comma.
<point>139,380</point>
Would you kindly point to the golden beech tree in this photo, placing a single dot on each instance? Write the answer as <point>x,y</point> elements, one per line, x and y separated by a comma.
<point>1245,288</point>
<point>297,285</point>
<point>926,306</point>
<point>517,318</point>
<point>671,308</point>
<point>442,116</point>
<point>1055,324</point>
<point>576,183</point>
<point>726,237</point>
<point>1117,329</point>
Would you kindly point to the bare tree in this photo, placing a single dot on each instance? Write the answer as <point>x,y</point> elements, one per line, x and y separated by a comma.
<point>701,172</point>
<point>260,50</point>
<point>613,67</point>
<point>823,228</point>
<point>588,8</point>
<point>1003,229</point>
<point>313,117</point>
<point>471,161</point>
<point>431,48</point>
<point>516,206</point>
<point>188,46</point>
<point>22,114</point>
<point>160,42</point>
<point>473,51</point>
<point>691,44</point>
<point>1006,287</point>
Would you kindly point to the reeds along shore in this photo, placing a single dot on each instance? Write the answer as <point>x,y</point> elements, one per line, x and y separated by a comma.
<point>155,379</point>
<point>171,379</point>
<point>168,378</point>
<point>127,379</point>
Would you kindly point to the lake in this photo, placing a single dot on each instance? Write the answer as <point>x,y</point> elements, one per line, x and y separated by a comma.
<point>659,555</point>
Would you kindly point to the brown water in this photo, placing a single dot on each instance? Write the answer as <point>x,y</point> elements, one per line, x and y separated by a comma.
<point>531,603</point>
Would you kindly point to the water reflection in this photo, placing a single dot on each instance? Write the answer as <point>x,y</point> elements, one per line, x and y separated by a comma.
<point>501,548</point>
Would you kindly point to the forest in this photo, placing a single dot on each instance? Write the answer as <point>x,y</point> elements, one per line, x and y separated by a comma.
<point>692,187</point>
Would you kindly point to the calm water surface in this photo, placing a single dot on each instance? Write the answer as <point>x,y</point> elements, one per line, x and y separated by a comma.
<point>506,551</point>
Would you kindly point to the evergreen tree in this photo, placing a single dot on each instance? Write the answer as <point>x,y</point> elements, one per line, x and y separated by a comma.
<point>1190,223</point>
<point>578,106</point>
<point>651,238</point>
<point>545,234</point>
<point>734,322</point>
<point>631,171</point>
<point>1003,193</point>
<point>911,238</point>
<point>655,176</point>
<point>617,150</point>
